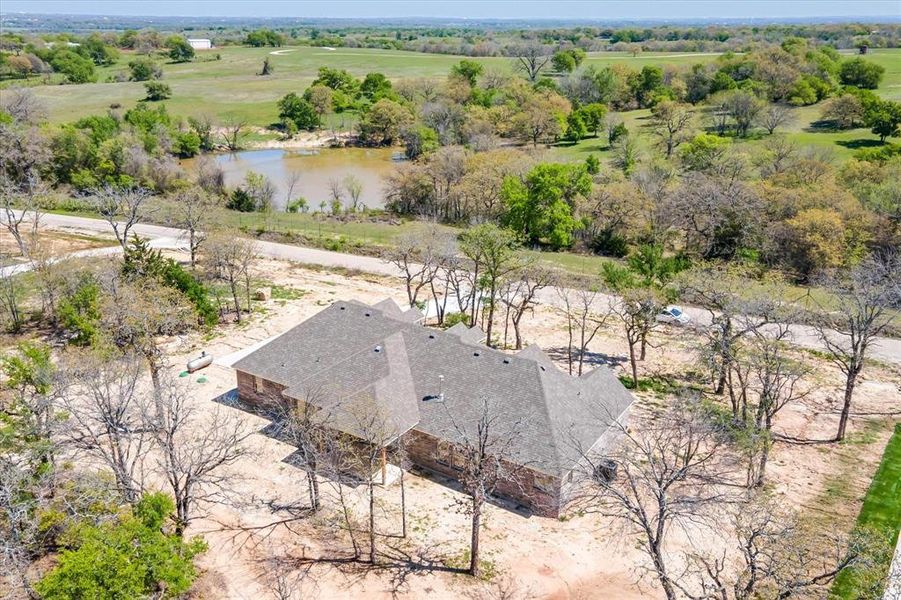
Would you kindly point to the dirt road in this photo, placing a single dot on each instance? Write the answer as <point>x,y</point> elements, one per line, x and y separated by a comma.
<point>884,349</point>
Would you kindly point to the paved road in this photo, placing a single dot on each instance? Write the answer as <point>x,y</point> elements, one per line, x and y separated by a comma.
<point>884,349</point>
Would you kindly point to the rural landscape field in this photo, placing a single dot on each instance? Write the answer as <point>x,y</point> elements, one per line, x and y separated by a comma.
<point>432,300</point>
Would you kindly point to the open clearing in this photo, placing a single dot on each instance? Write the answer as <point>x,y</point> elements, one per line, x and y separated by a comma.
<point>582,557</point>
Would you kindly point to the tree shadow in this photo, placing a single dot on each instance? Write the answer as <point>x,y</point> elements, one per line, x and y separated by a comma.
<point>860,143</point>
<point>452,484</point>
<point>592,359</point>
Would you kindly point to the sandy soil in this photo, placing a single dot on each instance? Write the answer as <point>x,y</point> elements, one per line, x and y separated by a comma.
<point>583,557</point>
<point>55,243</point>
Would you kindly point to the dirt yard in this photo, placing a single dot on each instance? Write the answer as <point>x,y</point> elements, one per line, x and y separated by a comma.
<point>581,557</point>
<point>52,244</point>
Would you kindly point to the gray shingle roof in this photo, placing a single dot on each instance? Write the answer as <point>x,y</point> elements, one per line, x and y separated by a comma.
<point>351,351</point>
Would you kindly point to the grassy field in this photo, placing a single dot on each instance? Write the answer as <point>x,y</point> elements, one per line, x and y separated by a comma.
<point>801,129</point>
<point>881,509</point>
<point>231,86</point>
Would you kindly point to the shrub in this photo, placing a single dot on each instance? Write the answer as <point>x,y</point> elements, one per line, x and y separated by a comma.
<point>129,557</point>
<point>79,312</point>
<point>453,318</point>
<point>156,91</point>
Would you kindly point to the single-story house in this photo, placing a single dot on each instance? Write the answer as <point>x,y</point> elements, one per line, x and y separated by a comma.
<point>200,43</point>
<point>433,385</point>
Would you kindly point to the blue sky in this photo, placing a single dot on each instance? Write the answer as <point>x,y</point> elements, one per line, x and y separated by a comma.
<point>475,9</point>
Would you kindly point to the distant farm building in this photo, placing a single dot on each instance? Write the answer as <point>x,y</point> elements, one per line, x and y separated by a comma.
<point>200,43</point>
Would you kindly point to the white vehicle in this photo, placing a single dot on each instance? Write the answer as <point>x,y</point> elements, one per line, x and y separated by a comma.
<point>673,315</point>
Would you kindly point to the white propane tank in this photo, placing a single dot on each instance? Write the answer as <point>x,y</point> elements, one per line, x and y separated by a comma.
<point>202,361</point>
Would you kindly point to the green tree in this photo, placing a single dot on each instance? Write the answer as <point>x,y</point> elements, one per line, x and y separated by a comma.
<point>703,151</point>
<point>541,208</point>
<point>179,49</point>
<point>263,37</point>
<point>492,251</point>
<point>593,115</point>
<point>129,557</point>
<point>186,144</point>
<point>647,85</point>
<point>75,67</point>
<point>468,70</point>
<point>157,90</point>
<point>861,73</point>
<point>383,123</point>
<point>376,86</point>
<point>99,53</point>
<point>563,62</point>
<point>144,69</point>
<point>299,111</point>
<point>883,117</point>
<point>576,129</point>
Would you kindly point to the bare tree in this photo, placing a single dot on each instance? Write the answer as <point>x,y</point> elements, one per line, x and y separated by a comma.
<point>305,426</point>
<point>375,431</point>
<point>195,210</point>
<point>354,188</point>
<point>776,380</point>
<point>105,406</point>
<point>585,316</point>
<point>774,116</point>
<point>209,175</point>
<point>336,190</point>
<point>671,123</point>
<point>864,302</point>
<point>232,133</point>
<point>448,273</point>
<point>22,495</point>
<point>521,293</point>
<point>637,312</point>
<point>21,205</point>
<point>23,106</point>
<point>486,447</point>
<point>135,314</point>
<point>418,256</point>
<point>229,258</point>
<point>667,476</point>
<point>10,298</point>
<point>723,292</point>
<point>291,182</point>
<point>195,452</point>
<point>771,554</point>
<point>531,59</point>
<point>121,208</point>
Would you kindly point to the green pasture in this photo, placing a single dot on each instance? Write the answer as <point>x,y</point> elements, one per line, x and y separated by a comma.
<point>231,86</point>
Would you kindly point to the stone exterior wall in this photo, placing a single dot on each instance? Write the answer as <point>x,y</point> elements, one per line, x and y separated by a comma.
<point>538,492</point>
<point>258,391</point>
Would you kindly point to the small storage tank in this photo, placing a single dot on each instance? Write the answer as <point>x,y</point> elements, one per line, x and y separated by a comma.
<point>201,362</point>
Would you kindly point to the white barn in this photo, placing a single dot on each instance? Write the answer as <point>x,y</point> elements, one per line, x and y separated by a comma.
<point>200,43</point>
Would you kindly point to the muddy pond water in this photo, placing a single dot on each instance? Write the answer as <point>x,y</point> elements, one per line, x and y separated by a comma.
<point>312,171</point>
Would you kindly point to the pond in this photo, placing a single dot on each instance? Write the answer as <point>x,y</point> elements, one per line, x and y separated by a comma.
<point>314,172</point>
